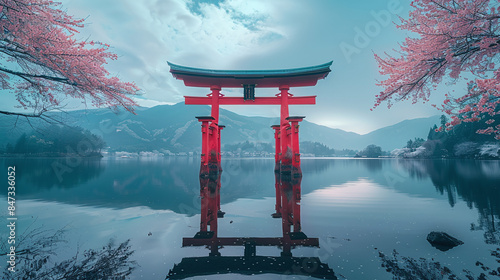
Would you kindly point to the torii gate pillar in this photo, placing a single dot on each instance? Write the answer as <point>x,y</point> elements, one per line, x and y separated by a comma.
<point>286,134</point>
<point>211,140</point>
<point>285,145</point>
<point>294,135</point>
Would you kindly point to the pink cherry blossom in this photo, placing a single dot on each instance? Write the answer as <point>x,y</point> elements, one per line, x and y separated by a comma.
<point>44,62</point>
<point>449,37</point>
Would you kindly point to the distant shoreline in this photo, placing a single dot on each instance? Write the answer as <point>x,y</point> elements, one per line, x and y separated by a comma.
<point>99,156</point>
<point>49,155</point>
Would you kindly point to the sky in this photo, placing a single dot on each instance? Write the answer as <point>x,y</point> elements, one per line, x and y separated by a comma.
<point>257,34</point>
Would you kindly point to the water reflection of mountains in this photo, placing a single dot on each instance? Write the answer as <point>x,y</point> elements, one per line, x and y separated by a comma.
<point>173,183</point>
<point>475,182</point>
<point>159,183</point>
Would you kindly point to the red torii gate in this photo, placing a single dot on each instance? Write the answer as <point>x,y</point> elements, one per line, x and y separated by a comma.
<point>286,133</point>
<point>287,169</point>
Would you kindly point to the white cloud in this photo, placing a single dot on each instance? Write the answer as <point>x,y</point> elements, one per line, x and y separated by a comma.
<point>145,34</point>
<point>241,34</point>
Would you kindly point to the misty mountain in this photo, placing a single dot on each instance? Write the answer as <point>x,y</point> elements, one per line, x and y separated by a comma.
<point>175,128</point>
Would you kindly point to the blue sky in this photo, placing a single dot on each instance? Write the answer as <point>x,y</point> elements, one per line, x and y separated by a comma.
<point>257,34</point>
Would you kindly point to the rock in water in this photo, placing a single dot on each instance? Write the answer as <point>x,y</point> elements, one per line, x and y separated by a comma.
<point>443,241</point>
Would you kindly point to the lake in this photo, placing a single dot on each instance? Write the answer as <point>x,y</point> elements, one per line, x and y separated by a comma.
<point>369,215</point>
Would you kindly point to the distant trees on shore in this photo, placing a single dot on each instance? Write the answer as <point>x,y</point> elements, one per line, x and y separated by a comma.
<point>57,141</point>
<point>306,147</point>
<point>371,151</point>
<point>461,141</point>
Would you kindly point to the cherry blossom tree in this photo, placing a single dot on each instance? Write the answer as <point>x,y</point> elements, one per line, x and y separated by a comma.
<point>452,39</point>
<point>42,62</point>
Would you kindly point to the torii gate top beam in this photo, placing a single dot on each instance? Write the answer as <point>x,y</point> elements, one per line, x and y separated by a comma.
<point>296,77</point>
<point>223,100</point>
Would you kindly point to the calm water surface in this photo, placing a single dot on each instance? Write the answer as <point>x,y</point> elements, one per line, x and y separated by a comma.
<point>358,208</point>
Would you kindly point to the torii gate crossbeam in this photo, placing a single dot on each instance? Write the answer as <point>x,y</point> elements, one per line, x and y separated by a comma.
<point>292,100</point>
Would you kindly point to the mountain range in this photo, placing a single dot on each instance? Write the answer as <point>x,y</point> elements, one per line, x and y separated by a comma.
<point>175,128</point>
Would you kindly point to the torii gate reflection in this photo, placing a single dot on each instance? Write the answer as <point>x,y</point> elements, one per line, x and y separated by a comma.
<point>250,263</point>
